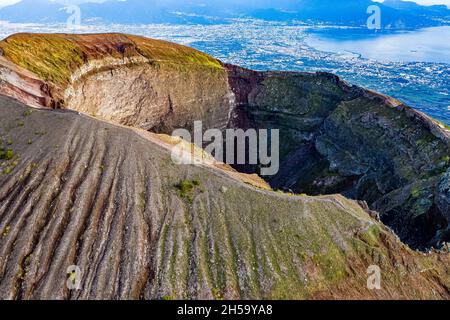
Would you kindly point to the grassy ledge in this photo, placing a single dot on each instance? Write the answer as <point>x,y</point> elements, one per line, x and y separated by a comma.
<point>55,57</point>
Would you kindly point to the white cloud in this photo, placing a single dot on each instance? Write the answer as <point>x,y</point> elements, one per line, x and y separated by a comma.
<point>426,2</point>
<point>7,2</point>
<point>429,2</point>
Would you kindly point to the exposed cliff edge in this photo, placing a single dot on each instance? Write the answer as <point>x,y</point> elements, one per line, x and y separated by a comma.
<point>75,190</point>
<point>339,138</point>
<point>155,83</point>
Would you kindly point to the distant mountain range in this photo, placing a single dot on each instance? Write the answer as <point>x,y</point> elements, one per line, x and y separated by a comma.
<point>395,13</point>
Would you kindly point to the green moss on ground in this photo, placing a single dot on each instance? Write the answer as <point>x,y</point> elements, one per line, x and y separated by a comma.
<point>6,154</point>
<point>51,57</point>
<point>55,57</point>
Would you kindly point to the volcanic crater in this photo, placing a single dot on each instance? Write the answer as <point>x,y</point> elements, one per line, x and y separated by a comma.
<point>87,179</point>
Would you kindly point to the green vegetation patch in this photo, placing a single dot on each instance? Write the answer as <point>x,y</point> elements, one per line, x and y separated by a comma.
<point>188,188</point>
<point>9,159</point>
<point>52,57</point>
<point>443,124</point>
<point>55,57</point>
<point>5,231</point>
<point>6,154</point>
<point>164,51</point>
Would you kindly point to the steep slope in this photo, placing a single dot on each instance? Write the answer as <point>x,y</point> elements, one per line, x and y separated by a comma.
<point>105,198</point>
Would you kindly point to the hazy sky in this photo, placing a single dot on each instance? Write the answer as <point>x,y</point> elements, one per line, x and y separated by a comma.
<point>426,2</point>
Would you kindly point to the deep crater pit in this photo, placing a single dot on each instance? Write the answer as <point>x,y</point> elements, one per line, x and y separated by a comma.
<point>334,137</point>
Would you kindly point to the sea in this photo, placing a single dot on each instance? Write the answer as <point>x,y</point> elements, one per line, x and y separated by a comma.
<point>410,65</point>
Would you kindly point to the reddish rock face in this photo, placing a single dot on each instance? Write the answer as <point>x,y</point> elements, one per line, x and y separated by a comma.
<point>160,98</point>
<point>30,56</point>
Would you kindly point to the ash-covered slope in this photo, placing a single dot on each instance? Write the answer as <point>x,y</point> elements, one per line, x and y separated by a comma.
<point>78,190</point>
<point>104,198</point>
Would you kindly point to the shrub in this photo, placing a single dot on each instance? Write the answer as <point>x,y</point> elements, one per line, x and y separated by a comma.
<point>6,155</point>
<point>187,188</point>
